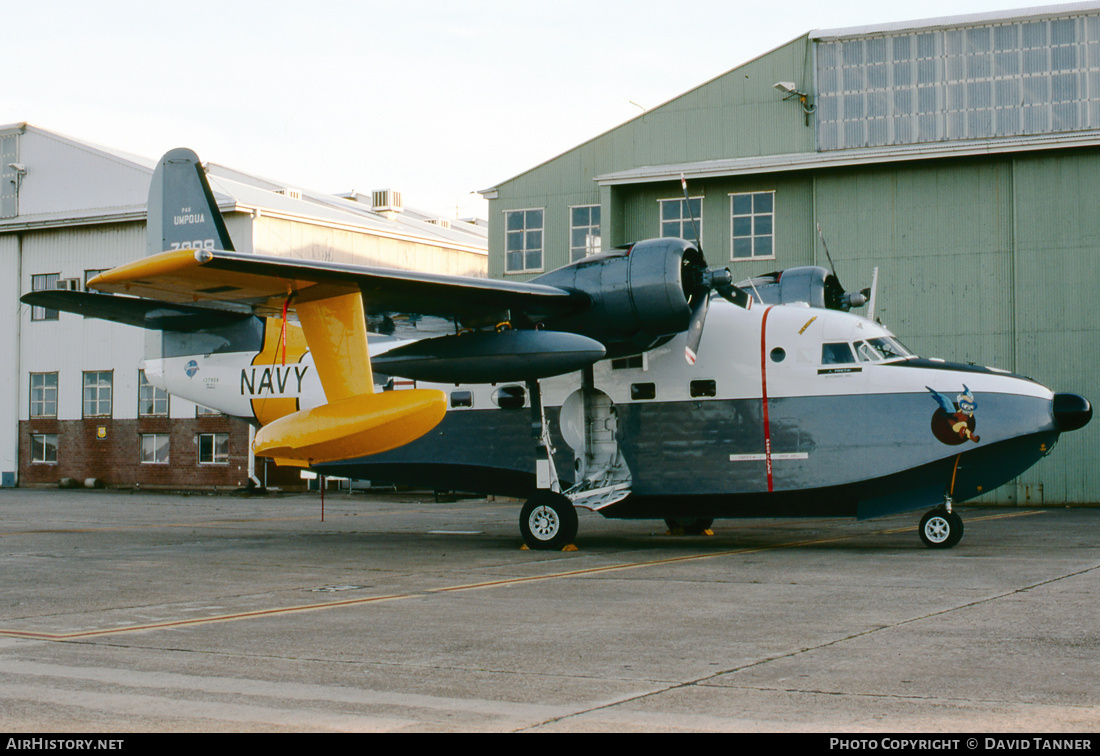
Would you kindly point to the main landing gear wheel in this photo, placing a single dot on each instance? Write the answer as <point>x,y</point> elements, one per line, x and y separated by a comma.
<point>548,521</point>
<point>940,529</point>
<point>691,526</point>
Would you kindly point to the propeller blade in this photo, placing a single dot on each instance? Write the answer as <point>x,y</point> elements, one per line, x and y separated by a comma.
<point>695,329</point>
<point>735,295</point>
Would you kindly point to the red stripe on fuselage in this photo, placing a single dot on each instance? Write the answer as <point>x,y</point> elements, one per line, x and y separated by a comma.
<point>764,396</point>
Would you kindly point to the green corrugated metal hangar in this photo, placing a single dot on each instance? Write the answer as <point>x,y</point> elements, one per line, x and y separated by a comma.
<point>960,156</point>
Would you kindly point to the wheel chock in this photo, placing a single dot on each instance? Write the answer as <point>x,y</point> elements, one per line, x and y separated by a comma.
<point>570,547</point>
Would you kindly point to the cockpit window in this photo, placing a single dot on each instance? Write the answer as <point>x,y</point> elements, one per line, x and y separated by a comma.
<point>836,354</point>
<point>890,348</point>
<point>867,353</point>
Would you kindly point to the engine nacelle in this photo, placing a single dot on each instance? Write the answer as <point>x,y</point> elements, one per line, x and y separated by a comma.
<point>811,284</point>
<point>638,296</point>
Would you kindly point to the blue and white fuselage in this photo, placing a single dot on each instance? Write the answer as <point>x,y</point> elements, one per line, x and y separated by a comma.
<point>788,410</point>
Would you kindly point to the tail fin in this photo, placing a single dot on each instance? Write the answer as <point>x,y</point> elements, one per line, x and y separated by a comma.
<point>182,211</point>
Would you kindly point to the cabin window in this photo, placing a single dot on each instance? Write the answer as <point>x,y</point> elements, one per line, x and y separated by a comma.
<point>44,448</point>
<point>752,225</point>
<point>637,362</point>
<point>704,388</point>
<point>510,397</point>
<point>837,354</point>
<point>523,241</point>
<point>640,391</point>
<point>43,394</point>
<point>680,218</point>
<point>462,399</point>
<point>584,232</point>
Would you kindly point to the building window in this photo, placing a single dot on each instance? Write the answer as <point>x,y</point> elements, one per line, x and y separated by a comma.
<point>43,394</point>
<point>154,448</point>
<point>201,411</point>
<point>680,218</point>
<point>1034,76</point>
<point>523,241</point>
<point>44,448</point>
<point>152,401</point>
<point>90,274</point>
<point>752,223</point>
<point>44,282</point>
<point>213,448</point>
<point>584,232</point>
<point>97,393</point>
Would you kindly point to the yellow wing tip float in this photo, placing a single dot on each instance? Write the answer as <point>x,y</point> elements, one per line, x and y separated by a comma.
<point>166,264</point>
<point>355,422</point>
<point>352,427</point>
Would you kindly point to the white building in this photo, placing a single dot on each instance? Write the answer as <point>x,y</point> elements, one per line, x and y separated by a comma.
<point>70,401</point>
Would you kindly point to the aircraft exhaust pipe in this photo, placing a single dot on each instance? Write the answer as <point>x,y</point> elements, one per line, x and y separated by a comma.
<point>1071,411</point>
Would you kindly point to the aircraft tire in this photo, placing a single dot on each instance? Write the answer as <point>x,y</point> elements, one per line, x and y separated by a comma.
<point>940,529</point>
<point>688,525</point>
<point>548,521</point>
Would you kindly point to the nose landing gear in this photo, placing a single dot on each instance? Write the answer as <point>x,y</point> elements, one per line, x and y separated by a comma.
<point>941,528</point>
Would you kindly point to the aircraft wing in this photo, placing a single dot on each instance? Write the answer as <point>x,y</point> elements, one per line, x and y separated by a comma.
<point>195,277</point>
<point>144,313</point>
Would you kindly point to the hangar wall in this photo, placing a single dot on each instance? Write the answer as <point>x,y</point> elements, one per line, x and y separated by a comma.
<point>979,213</point>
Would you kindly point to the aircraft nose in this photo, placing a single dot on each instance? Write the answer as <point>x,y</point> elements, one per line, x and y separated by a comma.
<point>1071,411</point>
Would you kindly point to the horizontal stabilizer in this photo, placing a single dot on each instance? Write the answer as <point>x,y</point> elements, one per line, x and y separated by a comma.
<point>143,313</point>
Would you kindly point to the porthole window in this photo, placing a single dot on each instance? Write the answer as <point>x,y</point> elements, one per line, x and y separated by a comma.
<point>778,354</point>
<point>510,397</point>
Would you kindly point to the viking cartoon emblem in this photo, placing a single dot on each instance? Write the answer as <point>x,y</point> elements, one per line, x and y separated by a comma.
<point>953,423</point>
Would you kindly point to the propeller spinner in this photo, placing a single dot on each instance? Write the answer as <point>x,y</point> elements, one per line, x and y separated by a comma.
<point>703,281</point>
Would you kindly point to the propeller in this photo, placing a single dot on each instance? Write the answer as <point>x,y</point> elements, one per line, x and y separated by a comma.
<point>836,296</point>
<point>701,281</point>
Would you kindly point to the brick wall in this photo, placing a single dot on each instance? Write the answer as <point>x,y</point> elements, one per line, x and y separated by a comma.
<point>115,459</point>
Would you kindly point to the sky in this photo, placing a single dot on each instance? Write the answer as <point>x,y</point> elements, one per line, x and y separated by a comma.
<point>436,99</point>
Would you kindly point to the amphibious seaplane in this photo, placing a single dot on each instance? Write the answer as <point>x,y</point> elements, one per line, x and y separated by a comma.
<point>596,385</point>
